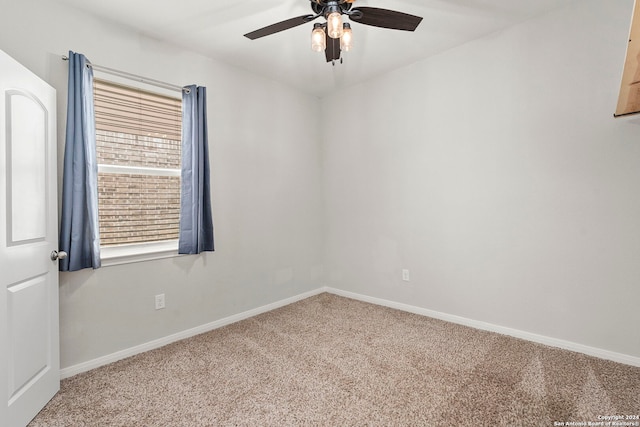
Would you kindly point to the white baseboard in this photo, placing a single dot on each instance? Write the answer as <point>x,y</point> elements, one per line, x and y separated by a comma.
<point>151,345</point>
<point>553,342</point>
<point>541,339</point>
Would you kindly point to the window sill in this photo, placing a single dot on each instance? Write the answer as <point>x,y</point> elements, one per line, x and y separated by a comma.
<point>138,252</point>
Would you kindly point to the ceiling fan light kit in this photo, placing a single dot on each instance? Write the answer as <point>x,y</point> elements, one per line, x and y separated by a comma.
<point>334,35</point>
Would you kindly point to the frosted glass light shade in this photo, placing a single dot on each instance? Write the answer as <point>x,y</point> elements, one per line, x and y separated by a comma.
<point>346,41</point>
<point>318,39</point>
<point>334,25</point>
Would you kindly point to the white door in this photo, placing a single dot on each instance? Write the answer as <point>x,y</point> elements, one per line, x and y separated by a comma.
<point>29,343</point>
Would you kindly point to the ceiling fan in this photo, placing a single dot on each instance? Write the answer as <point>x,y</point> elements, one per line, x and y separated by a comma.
<point>334,35</point>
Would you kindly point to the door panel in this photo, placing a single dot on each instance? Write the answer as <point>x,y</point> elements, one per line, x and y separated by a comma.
<point>29,343</point>
<point>27,315</point>
<point>26,163</point>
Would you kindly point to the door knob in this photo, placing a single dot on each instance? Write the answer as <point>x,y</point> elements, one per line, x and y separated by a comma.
<point>58,255</point>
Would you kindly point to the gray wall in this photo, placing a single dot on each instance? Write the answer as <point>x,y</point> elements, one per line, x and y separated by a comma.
<point>497,175</point>
<point>265,162</point>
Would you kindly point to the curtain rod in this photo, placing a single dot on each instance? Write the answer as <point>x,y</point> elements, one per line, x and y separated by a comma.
<point>135,77</point>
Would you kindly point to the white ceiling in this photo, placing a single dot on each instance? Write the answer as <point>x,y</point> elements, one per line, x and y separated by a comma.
<point>215,28</point>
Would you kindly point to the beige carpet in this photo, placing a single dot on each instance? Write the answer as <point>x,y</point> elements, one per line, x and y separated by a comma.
<point>332,361</point>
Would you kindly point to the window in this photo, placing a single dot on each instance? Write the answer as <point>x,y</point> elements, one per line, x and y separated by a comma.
<point>138,138</point>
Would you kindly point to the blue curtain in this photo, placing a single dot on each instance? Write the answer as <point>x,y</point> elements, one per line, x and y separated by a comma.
<point>196,221</point>
<point>79,234</point>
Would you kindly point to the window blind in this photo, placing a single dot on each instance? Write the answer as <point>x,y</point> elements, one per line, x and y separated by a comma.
<point>134,111</point>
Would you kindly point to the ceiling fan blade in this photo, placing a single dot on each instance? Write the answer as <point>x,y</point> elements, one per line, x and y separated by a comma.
<point>332,51</point>
<point>386,18</point>
<point>280,26</point>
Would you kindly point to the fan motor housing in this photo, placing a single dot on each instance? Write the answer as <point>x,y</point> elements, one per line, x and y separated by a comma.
<point>325,2</point>
<point>321,7</point>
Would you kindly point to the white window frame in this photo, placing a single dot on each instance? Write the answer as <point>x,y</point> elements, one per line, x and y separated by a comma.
<point>137,252</point>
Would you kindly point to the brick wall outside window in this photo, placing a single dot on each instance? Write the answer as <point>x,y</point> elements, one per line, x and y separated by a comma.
<point>134,150</point>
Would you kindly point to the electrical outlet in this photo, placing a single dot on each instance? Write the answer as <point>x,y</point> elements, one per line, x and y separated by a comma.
<point>405,275</point>
<point>159,301</point>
